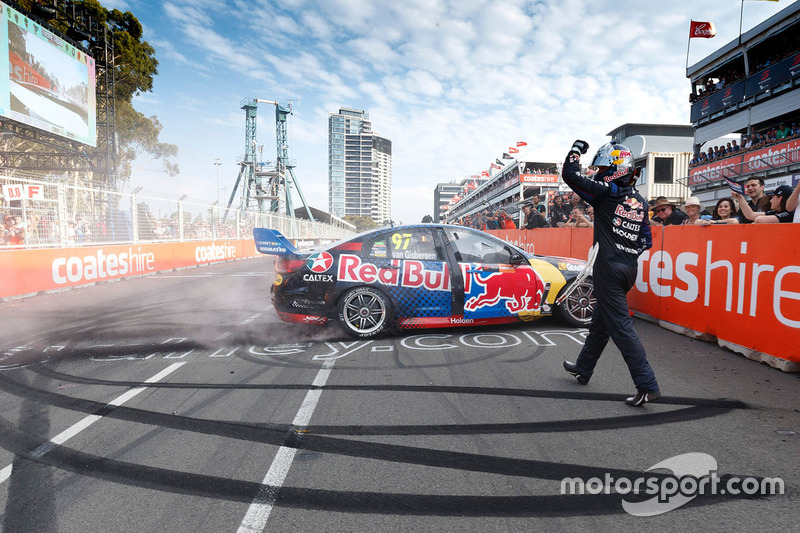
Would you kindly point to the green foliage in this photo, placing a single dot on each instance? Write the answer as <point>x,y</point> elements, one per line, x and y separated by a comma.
<point>135,67</point>
<point>361,223</point>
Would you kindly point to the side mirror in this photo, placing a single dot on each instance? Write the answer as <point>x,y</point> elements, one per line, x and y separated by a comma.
<point>518,259</point>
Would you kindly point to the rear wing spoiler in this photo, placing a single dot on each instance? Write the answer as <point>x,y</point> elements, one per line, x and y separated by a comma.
<point>271,241</point>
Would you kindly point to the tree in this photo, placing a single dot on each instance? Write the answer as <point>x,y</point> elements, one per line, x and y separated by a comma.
<point>135,66</point>
<point>361,223</point>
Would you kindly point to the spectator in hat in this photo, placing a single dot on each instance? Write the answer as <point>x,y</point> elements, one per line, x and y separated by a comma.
<point>693,208</point>
<point>664,213</point>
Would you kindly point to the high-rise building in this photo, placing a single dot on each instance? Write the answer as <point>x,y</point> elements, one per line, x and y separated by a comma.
<point>359,167</point>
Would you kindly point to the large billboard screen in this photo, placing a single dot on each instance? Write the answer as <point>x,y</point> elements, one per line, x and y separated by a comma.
<point>45,82</point>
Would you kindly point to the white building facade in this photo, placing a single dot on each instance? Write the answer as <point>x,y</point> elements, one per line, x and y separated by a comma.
<point>359,167</point>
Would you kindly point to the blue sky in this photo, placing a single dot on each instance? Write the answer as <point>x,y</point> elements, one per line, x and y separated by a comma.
<point>452,83</point>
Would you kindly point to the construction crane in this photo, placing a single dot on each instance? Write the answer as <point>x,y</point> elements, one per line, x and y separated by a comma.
<point>267,187</point>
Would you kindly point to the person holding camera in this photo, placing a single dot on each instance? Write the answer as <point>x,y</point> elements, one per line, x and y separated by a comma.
<point>505,221</point>
<point>621,233</point>
<point>533,218</point>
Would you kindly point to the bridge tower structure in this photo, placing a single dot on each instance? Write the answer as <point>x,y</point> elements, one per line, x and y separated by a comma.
<point>267,186</point>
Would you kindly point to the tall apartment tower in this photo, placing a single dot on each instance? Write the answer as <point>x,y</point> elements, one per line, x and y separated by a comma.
<point>359,167</point>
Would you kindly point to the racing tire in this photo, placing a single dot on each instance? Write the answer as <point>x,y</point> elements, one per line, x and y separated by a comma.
<point>364,312</point>
<point>576,311</point>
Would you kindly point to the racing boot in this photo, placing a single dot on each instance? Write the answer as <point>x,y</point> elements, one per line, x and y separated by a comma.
<point>642,398</point>
<point>572,369</point>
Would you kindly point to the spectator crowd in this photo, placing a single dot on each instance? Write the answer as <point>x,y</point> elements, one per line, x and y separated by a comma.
<point>568,210</point>
<point>776,134</point>
<point>564,209</point>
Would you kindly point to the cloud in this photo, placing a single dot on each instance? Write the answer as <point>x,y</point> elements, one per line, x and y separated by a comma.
<point>452,83</point>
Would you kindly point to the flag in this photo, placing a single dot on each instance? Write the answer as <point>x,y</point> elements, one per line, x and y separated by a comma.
<point>512,150</point>
<point>521,143</point>
<point>499,162</point>
<point>734,186</point>
<point>706,30</point>
<point>506,156</point>
<point>494,166</point>
<point>472,185</point>
<point>485,173</point>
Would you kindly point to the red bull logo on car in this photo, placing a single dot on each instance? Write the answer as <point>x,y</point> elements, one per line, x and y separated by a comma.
<point>408,273</point>
<point>518,291</point>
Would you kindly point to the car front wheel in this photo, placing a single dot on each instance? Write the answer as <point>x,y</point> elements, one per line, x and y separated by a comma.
<point>364,312</point>
<point>577,309</point>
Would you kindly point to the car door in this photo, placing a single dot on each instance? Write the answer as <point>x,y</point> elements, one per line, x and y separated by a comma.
<point>412,270</point>
<point>498,280</point>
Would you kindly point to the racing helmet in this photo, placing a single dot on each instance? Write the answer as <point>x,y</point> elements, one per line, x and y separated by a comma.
<point>614,163</point>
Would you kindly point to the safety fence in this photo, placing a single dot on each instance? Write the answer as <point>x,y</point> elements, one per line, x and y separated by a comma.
<point>744,164</point>
<point>59,214</point>
<point>736,284</point>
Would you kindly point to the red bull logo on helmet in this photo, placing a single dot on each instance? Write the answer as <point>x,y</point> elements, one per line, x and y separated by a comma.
<point>619,156</point>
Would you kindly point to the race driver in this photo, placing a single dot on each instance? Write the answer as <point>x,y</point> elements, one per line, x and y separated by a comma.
<point>622,233</point>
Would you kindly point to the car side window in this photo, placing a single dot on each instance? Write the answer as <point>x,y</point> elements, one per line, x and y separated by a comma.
<point>415,243</point>
<point>473,248</point>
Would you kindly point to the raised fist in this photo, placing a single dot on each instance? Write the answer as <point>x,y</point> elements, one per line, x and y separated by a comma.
<point>579,147</point>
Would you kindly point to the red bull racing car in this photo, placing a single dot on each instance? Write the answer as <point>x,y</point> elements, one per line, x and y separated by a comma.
<point>422,276</point>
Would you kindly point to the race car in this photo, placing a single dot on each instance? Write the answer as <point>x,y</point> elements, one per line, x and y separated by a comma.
<point>422,276</point>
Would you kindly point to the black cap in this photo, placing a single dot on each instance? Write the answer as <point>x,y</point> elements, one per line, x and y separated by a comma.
<point>784,191</point>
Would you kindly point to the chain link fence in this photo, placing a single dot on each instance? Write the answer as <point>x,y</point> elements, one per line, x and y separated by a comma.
<point>44,214</point>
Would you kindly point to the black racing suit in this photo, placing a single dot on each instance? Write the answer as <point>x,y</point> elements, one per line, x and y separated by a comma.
<point>622,230</point>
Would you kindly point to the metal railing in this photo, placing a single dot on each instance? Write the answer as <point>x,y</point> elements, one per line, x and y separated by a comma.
<point>57,214</point>
<point>761,162</point>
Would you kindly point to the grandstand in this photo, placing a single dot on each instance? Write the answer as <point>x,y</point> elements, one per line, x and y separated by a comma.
<point>746,91</point>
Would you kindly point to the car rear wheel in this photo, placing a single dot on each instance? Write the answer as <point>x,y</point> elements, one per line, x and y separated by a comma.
<point>364,312</point>
<point>577,309</point>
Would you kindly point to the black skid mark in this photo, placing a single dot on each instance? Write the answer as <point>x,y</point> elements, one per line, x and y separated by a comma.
<point>222,488</point>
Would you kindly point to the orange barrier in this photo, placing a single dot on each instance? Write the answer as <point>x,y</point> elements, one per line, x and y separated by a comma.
<point>31,271</point>
<point>562,242</point>
<point>739,284</point>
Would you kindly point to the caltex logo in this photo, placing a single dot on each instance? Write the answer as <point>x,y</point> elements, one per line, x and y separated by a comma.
<point>319,262</point>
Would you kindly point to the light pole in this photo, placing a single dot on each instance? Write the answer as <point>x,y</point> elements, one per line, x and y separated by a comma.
<point>217,164</point>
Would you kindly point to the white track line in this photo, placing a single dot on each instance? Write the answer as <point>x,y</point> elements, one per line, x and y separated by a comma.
<point>257,515</point>
<point>73,430</point>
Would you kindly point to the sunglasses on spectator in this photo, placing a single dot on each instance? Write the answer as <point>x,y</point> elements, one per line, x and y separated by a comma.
<point>661,209</point>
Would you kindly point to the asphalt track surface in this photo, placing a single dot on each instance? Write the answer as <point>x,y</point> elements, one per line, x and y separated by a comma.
<point>180,402</point>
